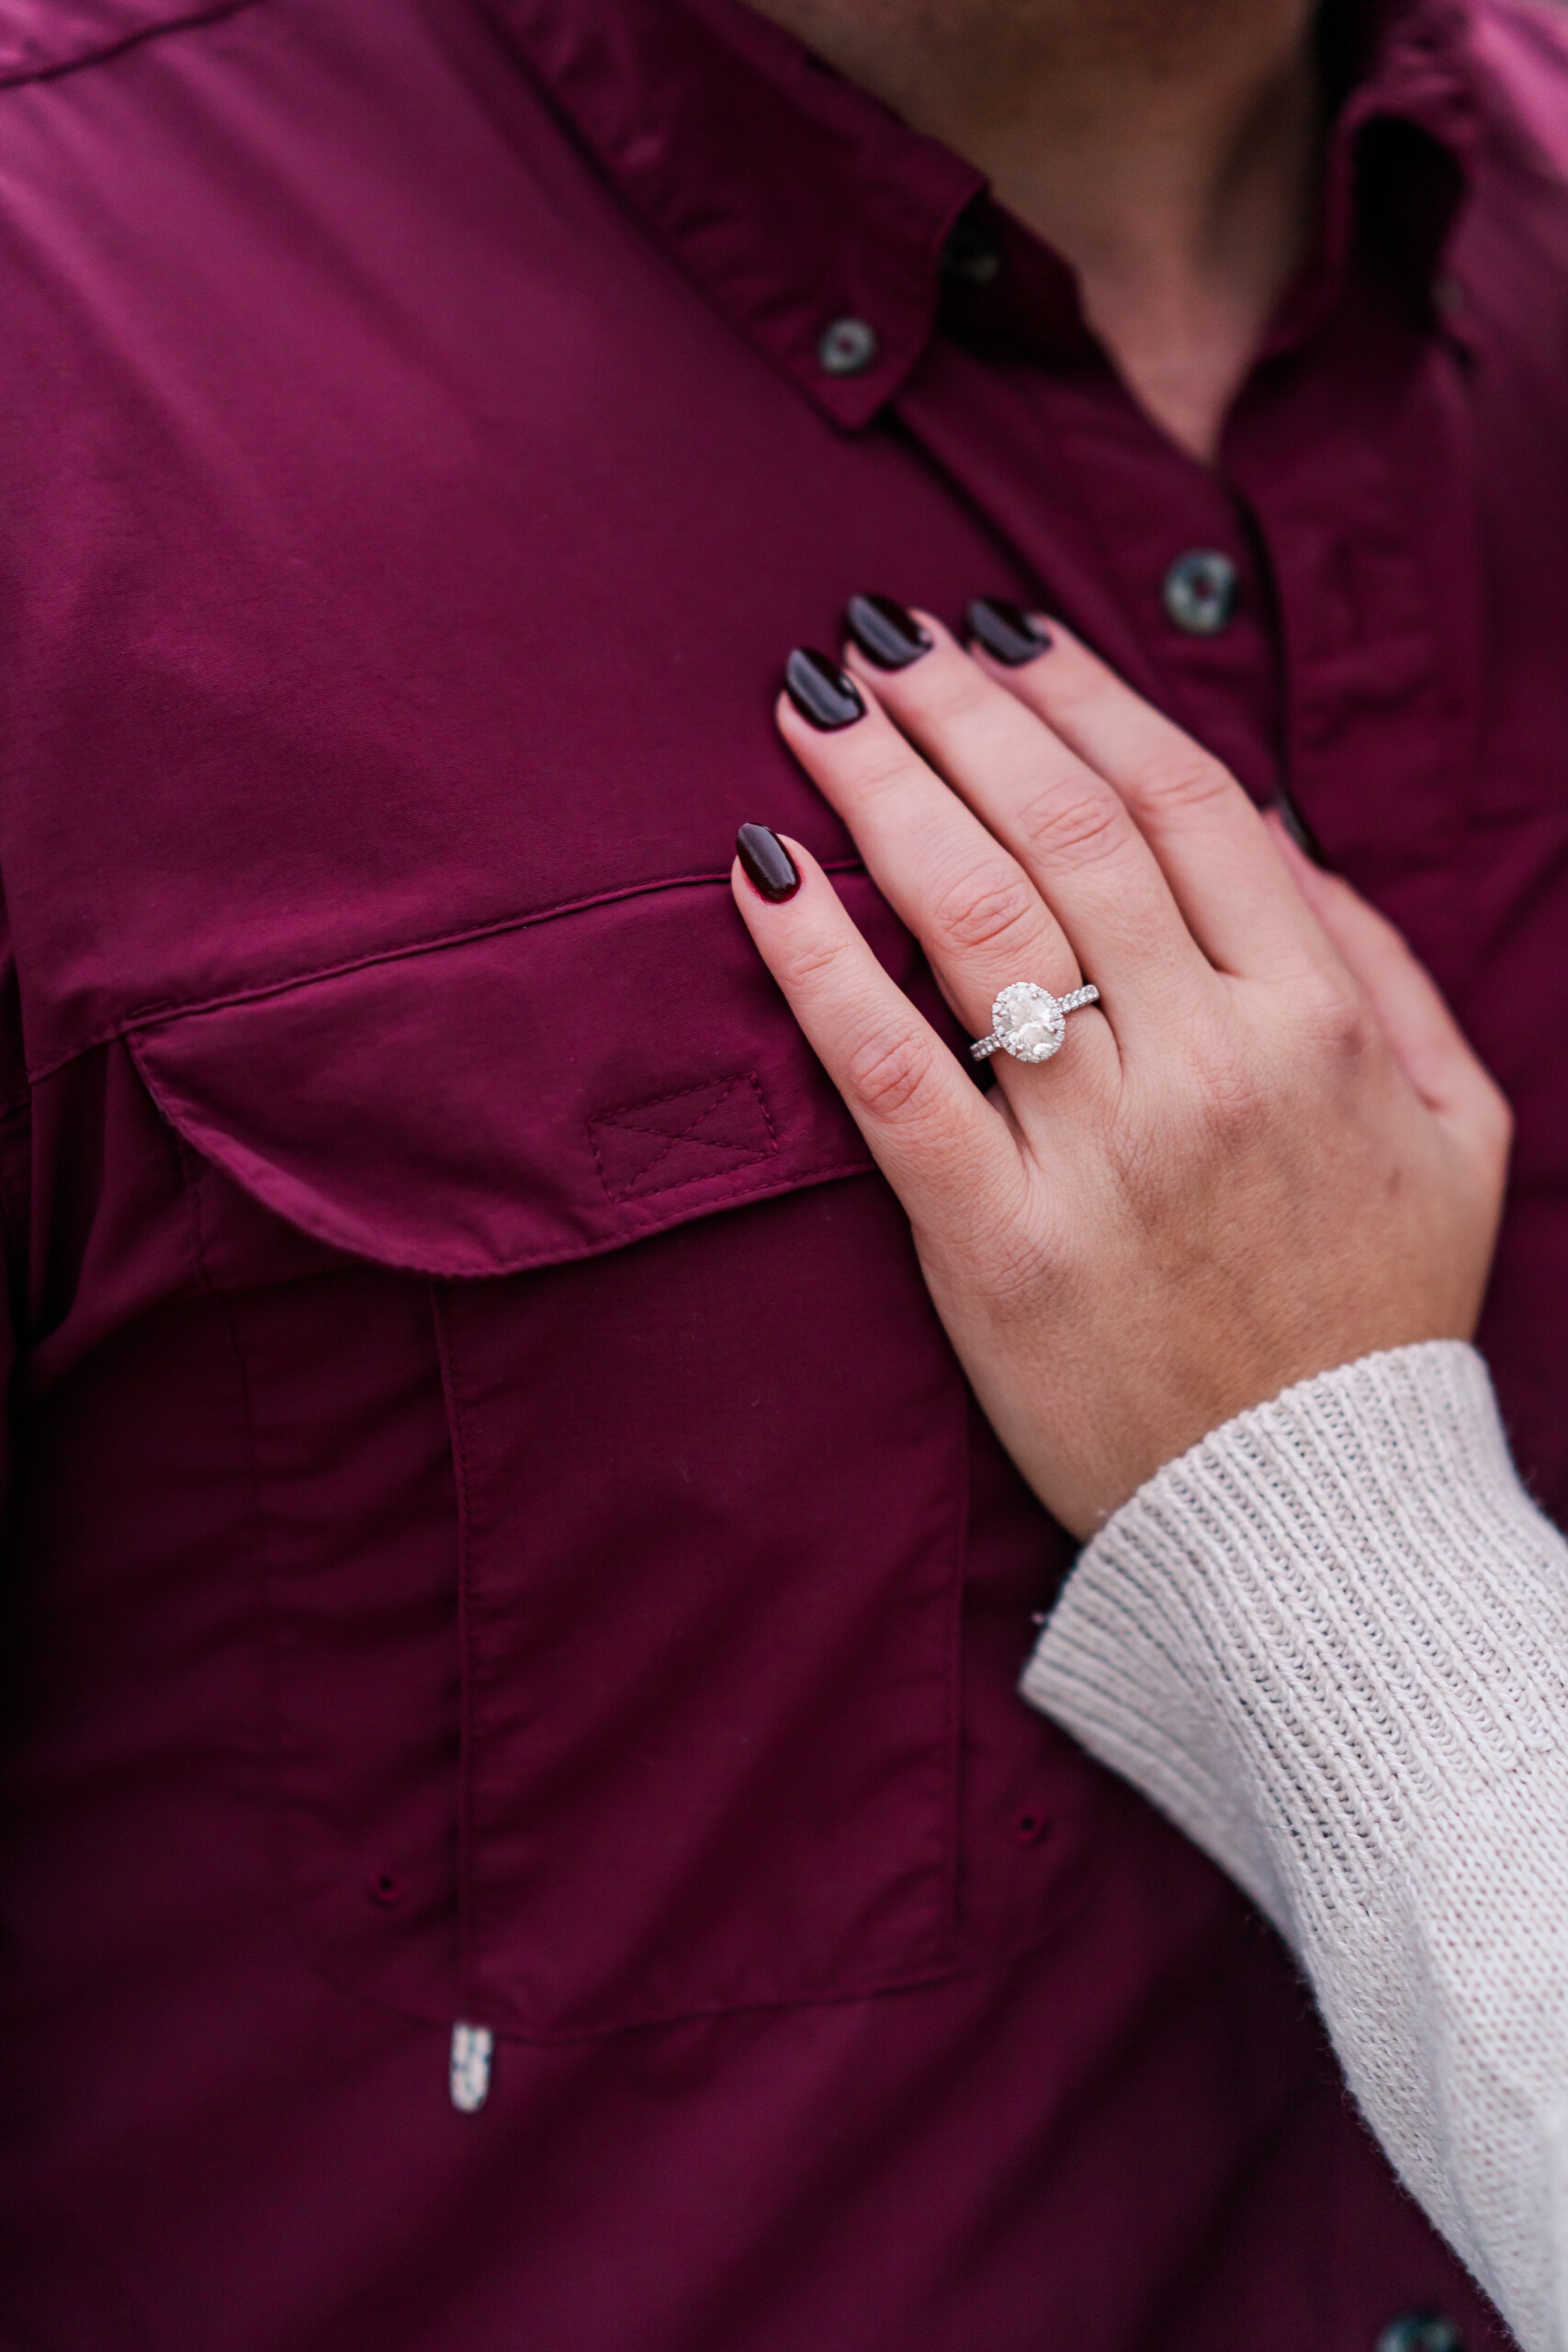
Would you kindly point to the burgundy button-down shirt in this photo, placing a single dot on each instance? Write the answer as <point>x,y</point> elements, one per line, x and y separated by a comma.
<point>499,1536</point>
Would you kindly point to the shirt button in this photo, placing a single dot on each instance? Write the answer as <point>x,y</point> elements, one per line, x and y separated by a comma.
<point>1199,592</point>
<point>1420,2332</point>
<point>848,347</point>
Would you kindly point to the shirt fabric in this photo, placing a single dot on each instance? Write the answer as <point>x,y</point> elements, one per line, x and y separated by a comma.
<point>499,1534</point>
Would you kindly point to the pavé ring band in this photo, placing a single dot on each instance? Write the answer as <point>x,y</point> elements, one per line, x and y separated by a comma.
<point>1030,1022</point>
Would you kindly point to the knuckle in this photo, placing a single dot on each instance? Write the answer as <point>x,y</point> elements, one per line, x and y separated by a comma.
<point>819,958</point>
<point>983,906</point>
<point>889,1075</point>
<point>1181,781</point>
<point>1336,1023</point>
<point>1079,822</point>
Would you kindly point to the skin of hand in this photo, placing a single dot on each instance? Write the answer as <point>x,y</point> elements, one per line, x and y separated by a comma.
<point>1267,1152</point>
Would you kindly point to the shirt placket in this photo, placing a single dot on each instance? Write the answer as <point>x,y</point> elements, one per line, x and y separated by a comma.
<point>1151,557</point>
<point>1356,467</point>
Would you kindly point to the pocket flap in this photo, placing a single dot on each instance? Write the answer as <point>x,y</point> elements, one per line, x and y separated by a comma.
<point>535,1094</point>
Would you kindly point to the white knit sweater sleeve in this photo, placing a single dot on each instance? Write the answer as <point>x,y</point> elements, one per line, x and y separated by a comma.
<point>1332,1644</point>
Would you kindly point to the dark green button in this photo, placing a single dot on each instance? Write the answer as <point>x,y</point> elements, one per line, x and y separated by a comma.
<point>1420,2332</point>
<point>1199,592</point>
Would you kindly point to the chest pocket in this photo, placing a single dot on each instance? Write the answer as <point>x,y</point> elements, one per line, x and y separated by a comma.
<point>687,1736</point>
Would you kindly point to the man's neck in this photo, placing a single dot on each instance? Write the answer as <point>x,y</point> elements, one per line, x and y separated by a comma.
<point>1166,148</point>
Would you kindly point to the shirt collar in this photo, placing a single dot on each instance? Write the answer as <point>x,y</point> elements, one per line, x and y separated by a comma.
<point>799,203</point>
<point>818,221</point>
<point>1421,71</point>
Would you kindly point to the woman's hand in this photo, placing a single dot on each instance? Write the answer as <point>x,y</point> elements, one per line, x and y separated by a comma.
<point>1268,1151</point>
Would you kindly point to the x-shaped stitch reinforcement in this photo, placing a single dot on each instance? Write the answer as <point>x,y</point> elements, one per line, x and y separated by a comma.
<point>699,1132</point>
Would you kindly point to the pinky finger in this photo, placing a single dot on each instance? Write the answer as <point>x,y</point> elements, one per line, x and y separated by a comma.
<point>941,1145</point>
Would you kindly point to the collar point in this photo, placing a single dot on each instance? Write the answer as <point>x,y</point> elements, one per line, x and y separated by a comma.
<point>854,403</point>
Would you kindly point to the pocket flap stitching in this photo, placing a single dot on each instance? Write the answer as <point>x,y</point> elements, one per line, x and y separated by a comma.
<point>682,1137</point>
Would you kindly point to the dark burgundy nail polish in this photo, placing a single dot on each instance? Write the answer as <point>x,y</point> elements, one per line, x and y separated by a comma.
<point>1300,832</point>
<point>885,633</point>
<point>766,864</point>
<point>1005,630</point>
<point>821,692</point>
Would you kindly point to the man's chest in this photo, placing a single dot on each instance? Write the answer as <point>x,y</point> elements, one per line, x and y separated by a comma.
<point>401,571</point>
<point>400,559</point>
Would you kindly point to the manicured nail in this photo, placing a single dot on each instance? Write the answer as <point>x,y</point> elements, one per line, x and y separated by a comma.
<point>1300,832</point>
<point>1005,630</point>
<point>885,633</point>
<point>766,864</point>
<point>821,692</point>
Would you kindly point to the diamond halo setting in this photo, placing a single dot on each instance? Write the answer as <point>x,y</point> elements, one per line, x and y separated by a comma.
<point>1029,1023</point>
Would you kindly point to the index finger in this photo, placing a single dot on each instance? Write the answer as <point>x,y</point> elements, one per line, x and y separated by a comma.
<point>938,1140</point>
<point>1240,902</point>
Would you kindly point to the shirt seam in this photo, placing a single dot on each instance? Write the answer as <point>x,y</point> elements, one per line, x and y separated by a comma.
<point>170,1009</point>
<point>21,77</point>
<point>638,1223</point>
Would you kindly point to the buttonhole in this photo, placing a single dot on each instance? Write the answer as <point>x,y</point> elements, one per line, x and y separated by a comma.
<point>386,1888</point>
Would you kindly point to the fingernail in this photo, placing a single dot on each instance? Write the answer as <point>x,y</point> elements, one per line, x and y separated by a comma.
<point>1005,630</point>
<point>1300,832</point>
<point>766,864</point>
<point>821,692</point>
<point>885,633</point>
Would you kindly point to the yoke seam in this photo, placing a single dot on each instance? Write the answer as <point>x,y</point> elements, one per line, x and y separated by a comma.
<point>21,77</point>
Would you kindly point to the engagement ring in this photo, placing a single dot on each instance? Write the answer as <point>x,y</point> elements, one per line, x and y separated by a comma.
<point>1030,1022</point>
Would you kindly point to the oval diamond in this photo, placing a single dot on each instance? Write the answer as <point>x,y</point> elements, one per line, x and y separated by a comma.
<point>1029,1021</point>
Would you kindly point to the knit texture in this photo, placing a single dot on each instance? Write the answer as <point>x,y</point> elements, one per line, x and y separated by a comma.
<point>1332,1644</point>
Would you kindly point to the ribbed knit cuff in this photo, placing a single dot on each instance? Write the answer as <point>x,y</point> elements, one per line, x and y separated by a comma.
<point>1271,1620</point>
<point>1331,1643</point>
